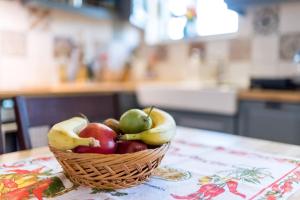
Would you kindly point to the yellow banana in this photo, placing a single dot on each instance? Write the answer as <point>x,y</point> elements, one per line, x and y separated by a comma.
<point>164,129</point>
<point>64,135</point>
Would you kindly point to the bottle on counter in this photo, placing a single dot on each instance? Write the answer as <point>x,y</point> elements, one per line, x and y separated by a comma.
<point>126,74</point>
<point>193,67</point>
<point>103,72</point>
<point>77,70</point>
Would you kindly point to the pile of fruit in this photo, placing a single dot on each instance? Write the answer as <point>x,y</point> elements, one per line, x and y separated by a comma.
<point>135,131</point>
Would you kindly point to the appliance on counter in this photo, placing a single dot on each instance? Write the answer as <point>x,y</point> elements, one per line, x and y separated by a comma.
<point>288,83</point>
<point>274,83</point>
<point>99,9</point>
<point>241,5</point>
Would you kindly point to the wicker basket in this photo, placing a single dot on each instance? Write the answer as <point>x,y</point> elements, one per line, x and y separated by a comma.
<point>110,171</point>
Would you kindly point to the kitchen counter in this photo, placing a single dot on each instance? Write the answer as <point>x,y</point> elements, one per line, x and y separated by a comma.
<point>85,88</point>
<point>270,95</point>
<point>70,88</point>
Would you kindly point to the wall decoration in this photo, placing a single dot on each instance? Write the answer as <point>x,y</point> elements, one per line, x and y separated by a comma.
<point>239,49</point>
<point>289,45</point>
<point>39,18</point>
<point>266,20</point>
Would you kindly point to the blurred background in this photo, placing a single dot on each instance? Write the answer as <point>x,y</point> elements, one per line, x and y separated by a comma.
<point>231,66</point>
<point>54,41</point>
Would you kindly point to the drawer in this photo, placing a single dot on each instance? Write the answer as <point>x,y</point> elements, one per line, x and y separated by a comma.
<point>205,121</point>
<point>270,120</point>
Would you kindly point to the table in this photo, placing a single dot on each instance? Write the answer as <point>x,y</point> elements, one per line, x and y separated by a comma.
<point>207,138</point>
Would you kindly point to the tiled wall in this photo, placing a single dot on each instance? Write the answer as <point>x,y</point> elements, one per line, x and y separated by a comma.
<point>26,46</point>
<point>26,42</point>
<point>254,51</point>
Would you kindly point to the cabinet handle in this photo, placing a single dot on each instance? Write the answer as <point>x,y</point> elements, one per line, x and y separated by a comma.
<point>273,105</point>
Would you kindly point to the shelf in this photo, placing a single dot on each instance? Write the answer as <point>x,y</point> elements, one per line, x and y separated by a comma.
<point>241,5</point>
<point>89,11</point>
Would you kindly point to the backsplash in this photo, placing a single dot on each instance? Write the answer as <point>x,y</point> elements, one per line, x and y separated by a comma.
<point>35,45</point>
<point>28,41</point>
<point>264,46</point>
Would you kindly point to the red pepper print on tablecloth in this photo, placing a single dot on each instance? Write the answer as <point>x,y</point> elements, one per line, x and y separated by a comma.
<point>215,185</point>
<point>207,192</point>
<point>22,171</point>
<point>232,186</point>
<point>36,189</point>
<point>19,183</point>
<point>282,187</point>
<point>21,193</point>
<point>40,188</point>
<point>15,165</point>
<point>23,183</point>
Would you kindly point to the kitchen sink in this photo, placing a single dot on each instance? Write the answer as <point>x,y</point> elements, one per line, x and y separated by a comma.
<point>198,98</point>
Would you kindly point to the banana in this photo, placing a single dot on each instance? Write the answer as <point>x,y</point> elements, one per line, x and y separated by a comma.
<point>64,135</point>
<point>164,129</point>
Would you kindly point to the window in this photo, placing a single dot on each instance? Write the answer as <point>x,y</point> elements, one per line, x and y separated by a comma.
<point>213,18</point>
<point>178,19</point>
<point>138,15</point>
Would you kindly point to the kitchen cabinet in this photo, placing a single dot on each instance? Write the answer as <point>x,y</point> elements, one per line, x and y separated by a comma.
<point>82,8</point>
<point>207,121</point>
<point>277,121</point>
<point>126,101</point>
<point>241,5</point>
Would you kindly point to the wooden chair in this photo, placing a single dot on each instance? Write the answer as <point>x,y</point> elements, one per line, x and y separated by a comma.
<point>48,110</point>
<point>2,150</point>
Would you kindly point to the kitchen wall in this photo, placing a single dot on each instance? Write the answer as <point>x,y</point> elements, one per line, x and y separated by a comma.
<point>267,39</point>
<point>27,45</point>
<point>27,42</point>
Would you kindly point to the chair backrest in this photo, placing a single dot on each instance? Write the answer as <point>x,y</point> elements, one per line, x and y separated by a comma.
<point>2,150</point>
<point>48,110</point>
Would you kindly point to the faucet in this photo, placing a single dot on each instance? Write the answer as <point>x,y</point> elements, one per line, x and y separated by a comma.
<point>296,60</point>
<point>220,72</point>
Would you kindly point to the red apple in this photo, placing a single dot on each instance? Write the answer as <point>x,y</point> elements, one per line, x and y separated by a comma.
<point>130,146</point>
<point>96,129</point>
<point>105,135</point>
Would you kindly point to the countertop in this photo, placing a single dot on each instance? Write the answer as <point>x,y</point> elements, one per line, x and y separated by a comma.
<point>70,88</point>
<point>85,88</point>
<point>270,95</point>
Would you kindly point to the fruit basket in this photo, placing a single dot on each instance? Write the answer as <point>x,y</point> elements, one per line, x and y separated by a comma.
<point>113,154</point>
<point>110,171</point>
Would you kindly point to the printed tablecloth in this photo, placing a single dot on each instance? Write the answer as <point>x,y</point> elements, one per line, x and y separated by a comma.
<point>189,171</point>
